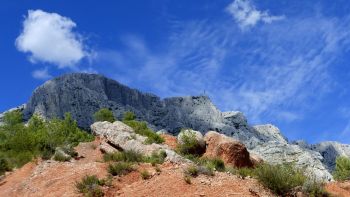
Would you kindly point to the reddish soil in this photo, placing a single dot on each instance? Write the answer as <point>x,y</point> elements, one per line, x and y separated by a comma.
<point>170,140</point>
<point>51,178</point>
<point>339,189</point>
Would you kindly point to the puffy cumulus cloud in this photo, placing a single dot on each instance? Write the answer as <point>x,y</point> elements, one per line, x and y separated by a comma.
<point>42,74</point>
<point>49,38</point>
<point>246,15</point>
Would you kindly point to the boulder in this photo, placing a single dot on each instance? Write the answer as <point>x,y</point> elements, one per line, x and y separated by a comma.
<point>231,151</point>
<point>189,132</point>
<point>124,138</point>
<point>107,148</point>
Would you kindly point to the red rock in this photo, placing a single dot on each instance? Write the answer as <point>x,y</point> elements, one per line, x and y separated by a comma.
<point>231,151</point>
<point>170,140</point>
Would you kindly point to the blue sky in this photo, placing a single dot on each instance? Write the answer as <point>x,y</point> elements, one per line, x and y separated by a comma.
<point>282,62</point>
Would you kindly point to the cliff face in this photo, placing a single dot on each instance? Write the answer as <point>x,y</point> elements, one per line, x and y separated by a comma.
<point>84,94</point>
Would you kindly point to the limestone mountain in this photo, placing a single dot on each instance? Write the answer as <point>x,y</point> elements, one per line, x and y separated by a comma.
<point>83,94</point>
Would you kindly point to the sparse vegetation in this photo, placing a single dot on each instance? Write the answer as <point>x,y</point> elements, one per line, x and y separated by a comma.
<point>60,156</point>
<point>90,186</point>
<point>156,158</point>
<point>281,179</point>
<point>241,172</point>
<point>214,164</point>
<point>342,168</point>
<point>104,114</point>
<point>145,174</point>
<point>120,168</point>
<point>129,116</point>
<point>187,179</point>
<point>133,156</point>
<point>191,171</point>
<point>189,145</point>
<point>314,188</point>
<point>142,129</point>
<point>19,144</point>
<point>126,156</point>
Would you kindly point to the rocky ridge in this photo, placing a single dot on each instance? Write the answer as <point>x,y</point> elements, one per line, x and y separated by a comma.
<point>83,94</point>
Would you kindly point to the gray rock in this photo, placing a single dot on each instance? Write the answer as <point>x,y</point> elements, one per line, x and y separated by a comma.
<point>84,94</point>
<point>107,148</point>
<point>123,137</point>
<point>162,131</point>
<point>330,151</point>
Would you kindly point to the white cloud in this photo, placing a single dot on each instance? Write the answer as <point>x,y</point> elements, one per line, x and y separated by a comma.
<point>49,38</point>
<point>42,74</point>
<point>246,15</point>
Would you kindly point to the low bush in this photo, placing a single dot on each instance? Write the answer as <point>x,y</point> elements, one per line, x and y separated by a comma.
<point>214,164</point>
<point>279,178</point>
<point>142,129</point>
<point>314,188</point>
<point>104,114</point>
<point>120,168</point>
<point>126,156</point>
<point>90,186</point>
<point>60,156</point>
<point>145,174</point>
<point>241,172</point>
<point>19,144</point>
<point>4,166</point>
<point>156,158</point>
<point>342,169</point>
<point>190,145</point>
<point>191,171</point>
<point>195,170</point>
<point>129,116</point>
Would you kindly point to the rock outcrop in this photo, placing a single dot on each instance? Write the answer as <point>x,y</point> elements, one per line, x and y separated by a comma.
<point>84,94</point>
<point>330,151</point>
<point>231,151</point>
<point>123,137</point>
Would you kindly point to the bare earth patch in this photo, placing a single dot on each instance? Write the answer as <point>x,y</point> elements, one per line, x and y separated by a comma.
<point>52,178</point>
<point>339,189</point>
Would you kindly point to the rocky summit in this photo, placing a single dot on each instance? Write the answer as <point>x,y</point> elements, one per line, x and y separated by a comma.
<point>83,94</point>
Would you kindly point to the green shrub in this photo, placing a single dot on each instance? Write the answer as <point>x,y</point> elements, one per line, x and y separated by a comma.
<point>206,170</point>
<point>4,166</point>
<point>191,171</point>
<point>129,116</point>
<point>145,174</point>
<point>104,114</point>
<point>13,117</point>
<point>59,156</point>
<point>279,178</point>
<point>245,172</point>
<point>189,145</point>
<point>126,156</point>
<point>142,129</point>
<point>90,186</point>
<point>156,158</point>
<point>120,168</point>
<point>214,164</point>
<point>342,169</point>
<point>314,188</point>
<point>20,144</point>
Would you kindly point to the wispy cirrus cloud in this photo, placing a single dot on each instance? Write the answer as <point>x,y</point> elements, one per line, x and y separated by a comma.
<point>272,72</point>
<point>246,15</point>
